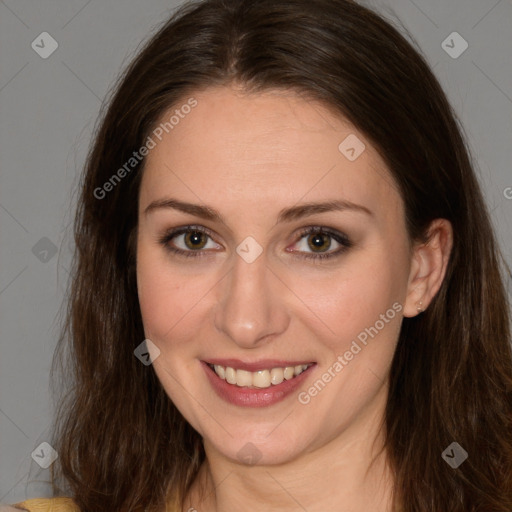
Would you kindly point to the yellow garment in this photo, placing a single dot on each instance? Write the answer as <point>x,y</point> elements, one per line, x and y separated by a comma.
<point>49,505</point>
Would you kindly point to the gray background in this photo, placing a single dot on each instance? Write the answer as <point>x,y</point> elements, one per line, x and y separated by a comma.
<point>48,108</point>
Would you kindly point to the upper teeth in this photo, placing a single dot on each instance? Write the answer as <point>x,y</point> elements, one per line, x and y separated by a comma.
<point>259,379</point>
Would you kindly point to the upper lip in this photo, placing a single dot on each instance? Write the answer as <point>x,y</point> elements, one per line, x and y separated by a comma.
<point>262,364</point>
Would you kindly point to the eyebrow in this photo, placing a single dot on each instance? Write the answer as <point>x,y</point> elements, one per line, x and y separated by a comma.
<point>285,215</point>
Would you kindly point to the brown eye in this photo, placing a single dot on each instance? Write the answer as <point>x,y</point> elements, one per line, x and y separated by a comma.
<point>319,241</point>
<point>189,241</point>
<point>195,239</point>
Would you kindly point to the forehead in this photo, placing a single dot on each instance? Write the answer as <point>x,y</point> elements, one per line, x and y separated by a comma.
<point>271,148</point>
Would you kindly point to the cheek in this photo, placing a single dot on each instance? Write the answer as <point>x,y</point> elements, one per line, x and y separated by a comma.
<point>352,296</point>
<point>174,304</point>
<point>163,296</point>
<point>360,302</point>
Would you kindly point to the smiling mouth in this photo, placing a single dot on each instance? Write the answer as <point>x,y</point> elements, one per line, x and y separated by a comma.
<point>260,379</point>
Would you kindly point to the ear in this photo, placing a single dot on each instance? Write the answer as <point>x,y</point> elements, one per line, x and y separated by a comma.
<point>428,267</point>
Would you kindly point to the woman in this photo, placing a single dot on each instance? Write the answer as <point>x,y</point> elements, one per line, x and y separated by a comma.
<point>287,292</point>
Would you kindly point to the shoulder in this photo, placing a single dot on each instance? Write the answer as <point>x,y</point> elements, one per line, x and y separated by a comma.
<point>60,504</point>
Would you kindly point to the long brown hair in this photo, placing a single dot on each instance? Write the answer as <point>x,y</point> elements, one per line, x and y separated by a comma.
<point>122,444</point>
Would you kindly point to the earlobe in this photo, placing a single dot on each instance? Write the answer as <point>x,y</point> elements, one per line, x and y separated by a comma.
<point>428,268</point>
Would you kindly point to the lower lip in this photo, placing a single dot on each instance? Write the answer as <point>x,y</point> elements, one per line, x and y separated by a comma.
<point>254,397</point>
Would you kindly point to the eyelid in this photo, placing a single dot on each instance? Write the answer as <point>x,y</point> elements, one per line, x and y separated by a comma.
<point>341,238</point>
<point>338,236</point>
<point>169,234</point>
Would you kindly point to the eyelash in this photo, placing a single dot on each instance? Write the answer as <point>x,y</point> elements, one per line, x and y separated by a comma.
<point>337,236</point>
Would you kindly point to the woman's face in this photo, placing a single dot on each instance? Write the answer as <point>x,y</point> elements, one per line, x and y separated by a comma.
<point>249,289</point>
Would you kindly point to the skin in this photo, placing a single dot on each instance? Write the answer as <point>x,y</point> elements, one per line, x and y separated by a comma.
<point>248,156</point>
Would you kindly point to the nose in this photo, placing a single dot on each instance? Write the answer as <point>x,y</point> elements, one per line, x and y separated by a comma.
<point>251,308</point>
